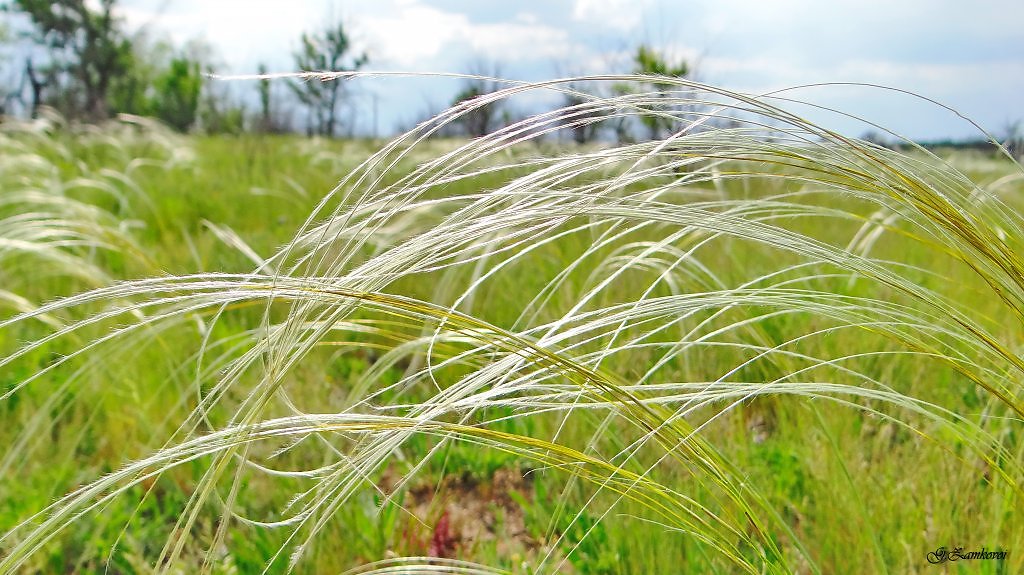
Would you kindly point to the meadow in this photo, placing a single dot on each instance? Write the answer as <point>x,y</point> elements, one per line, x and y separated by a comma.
<point>755,346</point>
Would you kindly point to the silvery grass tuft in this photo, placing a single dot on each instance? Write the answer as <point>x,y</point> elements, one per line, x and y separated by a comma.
<point>453,267</point>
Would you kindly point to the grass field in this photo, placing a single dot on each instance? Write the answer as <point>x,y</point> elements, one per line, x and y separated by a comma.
<point>729,352</point>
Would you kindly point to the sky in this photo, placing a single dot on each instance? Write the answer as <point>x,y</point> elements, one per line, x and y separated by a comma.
<point>966,55</point>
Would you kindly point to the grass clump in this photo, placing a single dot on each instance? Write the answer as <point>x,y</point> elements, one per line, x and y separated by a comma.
<point>739,349</point>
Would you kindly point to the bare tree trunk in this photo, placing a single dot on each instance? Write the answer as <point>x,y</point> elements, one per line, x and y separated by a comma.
<point>332,118</point>
<point>36,86</point>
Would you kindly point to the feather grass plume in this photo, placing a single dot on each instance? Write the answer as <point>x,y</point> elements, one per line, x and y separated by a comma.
<point>529,292</point>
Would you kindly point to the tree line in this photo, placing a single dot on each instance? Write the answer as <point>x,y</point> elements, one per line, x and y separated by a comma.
<point>79,58</point>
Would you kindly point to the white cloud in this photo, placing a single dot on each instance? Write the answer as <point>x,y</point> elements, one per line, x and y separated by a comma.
<point>414,34</point>
<point>939,80</point>
<point>519,41</point>
<point>241,31</point>
<point>622,15</point>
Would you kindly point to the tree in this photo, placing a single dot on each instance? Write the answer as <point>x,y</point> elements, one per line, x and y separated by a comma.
<point>1013,139</point>
<point>161,81</point>
<point>650,63</point>
<point>176,93</point>
<point>326,51</point>
<point>133,91</point>
<point>88,45</point>
<point>9,89</point>
<point>581,119</point>
<point>481,120</point>
<point>221,111</point>
<point>265,111</point>
<point>272,118</point>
